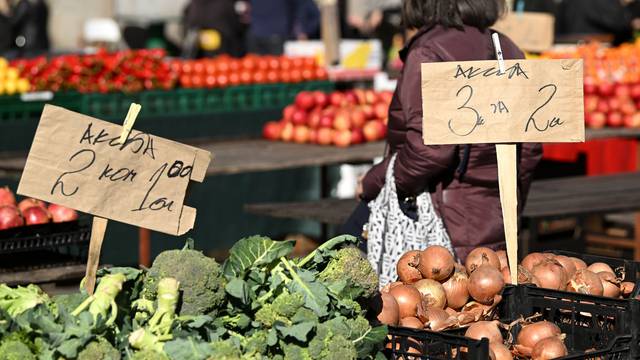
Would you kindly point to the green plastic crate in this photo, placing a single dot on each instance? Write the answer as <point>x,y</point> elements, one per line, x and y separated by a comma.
<point>14,109</point>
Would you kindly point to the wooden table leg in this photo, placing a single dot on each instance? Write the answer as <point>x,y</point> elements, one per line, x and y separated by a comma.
<point>144,247</point>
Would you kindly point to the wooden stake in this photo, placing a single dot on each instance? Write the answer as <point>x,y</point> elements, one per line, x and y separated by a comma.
<point>99,226</point>
<point>330,29</point>
<point>507,178</point>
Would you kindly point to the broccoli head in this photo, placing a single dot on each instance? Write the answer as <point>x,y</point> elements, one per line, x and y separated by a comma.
<point>99,349</point>
<point>201,280</point>
<point>224,350</point>
<point>282,309</point>
<point>15,350</point>
<point>331,343</point>
<point>256,344</point>
<point>350,265</point>
<point>148,354</point>
<point>295,352</point>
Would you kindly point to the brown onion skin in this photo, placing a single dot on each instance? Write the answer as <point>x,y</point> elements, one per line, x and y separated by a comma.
<point>532,260</point>
<point>524,276</point>
<point>406,267</point>
<point>579,263</point>
<point>550,274</point>
<point>485,329</point>
<point>599,267</point>
<point>433,293</point>
<point>504,259</point>
<point>500,351</point>
<point>550,348</point>
<point>436,262</point>
<point>531,334</point>
<point>385,289</point>
<point>506,275</point>
<point>408,298</point>
<point>481,256</point>
<point>609,284</point>
<point>586,282</point>
<point>485,283</point>
<point>456,290</point>
<point>411,322</point>
<point>626,288</point>
<point>390,313</point>
<point>568,265</point>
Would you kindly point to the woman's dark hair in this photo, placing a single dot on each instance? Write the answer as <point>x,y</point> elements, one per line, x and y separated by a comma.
<point>452,13</point>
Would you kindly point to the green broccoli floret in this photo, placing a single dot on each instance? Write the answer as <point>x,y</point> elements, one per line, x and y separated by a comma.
<point>295,352</point>
<point>69,302</point>
<point>224,350</point>
<point>330,343</point>
<point>15,350</point>
<point>148,354</point>
<point>256,344</point>
<point>99,349</point>
<point>282,309</point>
<point>349,265</point>
<point>201,280</point>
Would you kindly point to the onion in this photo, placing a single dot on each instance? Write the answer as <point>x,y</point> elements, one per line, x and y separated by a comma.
<point>568,265</point>
<point>549,348</point>
<point>6,197</point>
<point>406,267</point>
<point>481,256</point>
<point>436,262</point>
<point>609,284</point>
<point>550,274</point>
<point>524,276</point>
<point>586,282</point>
<point>485,329</point>
<point>531,334</point>
<point>506,275</point>
<point>438,319</point>
<point>485,283</point>
<point>532,260</point>
<point>600,267</point>
<point>504,259</point>
<point>408,298</point>
<point>500,351</point>
<point>433,293</point>
<point>386,288</point>
<point>412,322</point>
<point>36,215</point>
<point>390,312</point>
<point>61,213</point>
<point>456,290</point>
<point>31,202</point>
<point>10,217</point>
<point>451,312</point>
<point>626,288</point>
<point>579,263</point>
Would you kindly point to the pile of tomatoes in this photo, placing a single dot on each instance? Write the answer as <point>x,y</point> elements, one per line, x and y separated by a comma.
<point>126,71</point>
<point>223,71</point>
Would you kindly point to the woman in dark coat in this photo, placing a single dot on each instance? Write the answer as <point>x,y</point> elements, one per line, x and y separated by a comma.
<point>466,196</point>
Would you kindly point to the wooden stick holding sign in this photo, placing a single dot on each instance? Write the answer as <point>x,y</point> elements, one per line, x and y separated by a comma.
<point>112,172</point>
<point>99,224</point>
<point>514,101</point>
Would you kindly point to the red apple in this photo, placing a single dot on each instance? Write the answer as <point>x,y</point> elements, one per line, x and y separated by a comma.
<point>370,97</point>
<point>342,138</point>
<point>61,213</point>
<point>288,111</point>
<point>321,99</point>
<point>272,130</point>
<point>360,95</point>
<point>305,100</point>
<point>614,104</point>
<point>326,121</point>
<point>31,202</point>
<point>299,117</point>
<point>287,132</point>
<point>342,120</point>
<point>36,215</point>
<point>622,91</point>
<point>590,86</point>
<point>381,110</point>
<point>325,136</point>
<point>368,111</point>
<point>336,99</point>
<point>596,120</point>
<point>632,121</point>
<point>605,89</point>
<point>603,106</point>
<point>635,92</point>
<point>374,130</point>
<point>10,217</point>
<point>330,111</point>
<point>385,97</point>
<point>313,136</point>
<point>301,134</point>
<point>314,118</point>
<point>357,137</point>
<point>351,98</point>
<point>590,103</point>
<point>628,107</point>
<point>614,119</point>
<point>6,197</point>
<point>358,119</point>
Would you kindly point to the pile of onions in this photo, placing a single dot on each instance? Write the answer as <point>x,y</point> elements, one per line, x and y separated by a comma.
<point>531,334</point>
<point>485,329</point>
<point>481,256</point>
<point>586,282</point>
<point>456,290</point>
<point>550,274</point>
<point>436,263</point>
<point>406,267</point>
<point>485,283</point>
<point>549,348</point>
<point>433,293</point>
<point>408,298</point>
<point>610,284</point>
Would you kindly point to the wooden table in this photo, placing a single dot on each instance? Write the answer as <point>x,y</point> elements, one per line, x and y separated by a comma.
<point>556,198</point>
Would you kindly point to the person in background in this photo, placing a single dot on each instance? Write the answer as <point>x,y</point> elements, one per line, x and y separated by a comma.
<point>29,19</point>
<point>212,27</point>
<point>275,21</point>
<point>6,38</point>
<point>596,17</point>
<point>380,19</point>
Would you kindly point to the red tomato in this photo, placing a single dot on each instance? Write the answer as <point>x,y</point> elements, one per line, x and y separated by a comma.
<point>297,62</point>
<point>185,81</point>
<point>198,67</point>
<point>272,76</point>
<point>249,62</point>
<point>234,65</point>
<point>274,63</point>
<point>285,77</point>
<point>310,62</point>
<point>197,81</point>
<point>308,74</point>
<point>263,63</point>
<point>259,77</point>
<point>285,63</point>
<point>296,75</point>
<point>222,80</point>
<point>234,79</point>
<point>210,68</point>
<point>321,73</point>
<point>222,66</point>
<point>245,77</point>
<point>187,67</point>
<point>210,81</point>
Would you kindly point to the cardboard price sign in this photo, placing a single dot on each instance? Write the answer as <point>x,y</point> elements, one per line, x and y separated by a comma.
<point>531,101</point>
<point>530,31</point>
<point>79,162</point>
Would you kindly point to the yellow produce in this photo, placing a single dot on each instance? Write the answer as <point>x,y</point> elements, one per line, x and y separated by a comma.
<point>10,81</point>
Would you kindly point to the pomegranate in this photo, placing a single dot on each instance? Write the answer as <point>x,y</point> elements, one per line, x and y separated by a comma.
<point>61,213</point>
<point>36,215</point>
<point>10,217</point>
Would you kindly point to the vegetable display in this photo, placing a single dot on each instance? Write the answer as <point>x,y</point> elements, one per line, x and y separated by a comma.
<point>10,80</point>
<point>30,211</point>
<point>260,304</point>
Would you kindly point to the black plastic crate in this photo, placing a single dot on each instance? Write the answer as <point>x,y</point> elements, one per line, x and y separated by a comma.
<point>631,268</point>
<point>412,344</point>
<point>610,326</point>
<point>44,236</point>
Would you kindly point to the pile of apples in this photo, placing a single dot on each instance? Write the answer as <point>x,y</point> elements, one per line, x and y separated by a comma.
<point>339,118</point>
<point>30,211</point>
<point>612,105</point>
